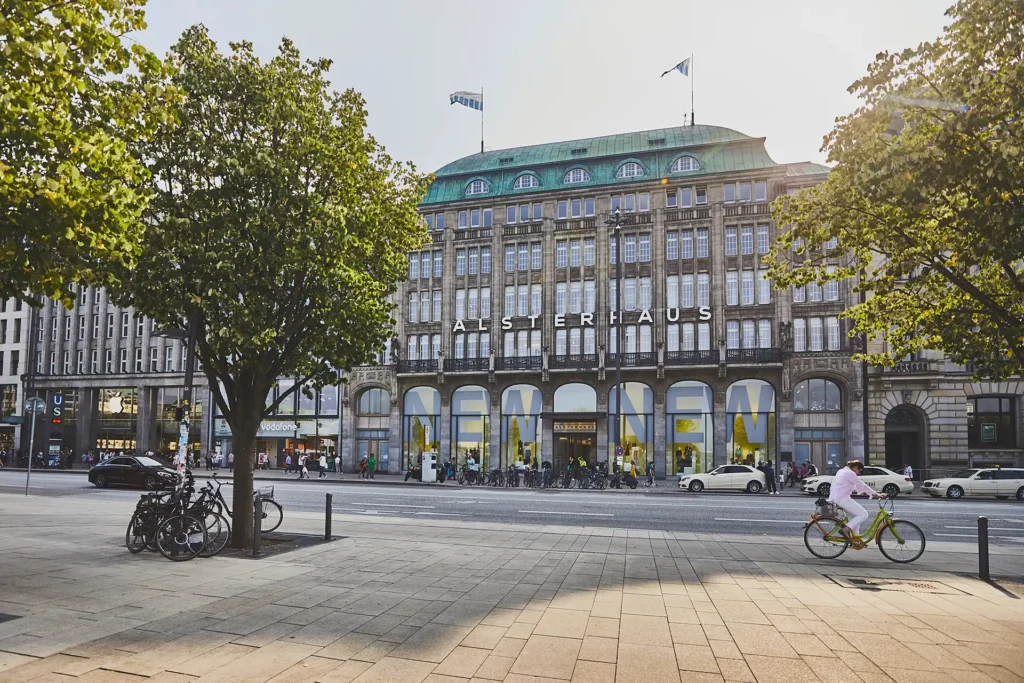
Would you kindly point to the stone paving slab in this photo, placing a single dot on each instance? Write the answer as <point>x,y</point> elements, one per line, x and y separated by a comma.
<point>418,600</point>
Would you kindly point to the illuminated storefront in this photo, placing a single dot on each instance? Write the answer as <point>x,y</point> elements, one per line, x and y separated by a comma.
<point>689,408</point>
<point>637,426</point>
<point>750,422</point>
<point>520,425</point>
<point>471,407</point>
<point>421,415</point>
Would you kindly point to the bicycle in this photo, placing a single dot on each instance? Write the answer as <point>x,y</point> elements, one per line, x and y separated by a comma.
<point>272,513</point>
<point>899,540</point>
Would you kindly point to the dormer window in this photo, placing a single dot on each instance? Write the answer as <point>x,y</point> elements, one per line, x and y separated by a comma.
<point>525,181</point>
<point>630,169</point>
<point>576,175</point>
<point>684,164</point>
<point>478,187</point>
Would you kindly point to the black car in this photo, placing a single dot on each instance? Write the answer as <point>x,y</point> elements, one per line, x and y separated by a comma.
<point>132,471</point>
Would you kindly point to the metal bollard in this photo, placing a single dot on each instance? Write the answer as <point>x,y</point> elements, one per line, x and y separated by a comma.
<point>327,518</point>
<point>983,548</point>
<point>257,519</point>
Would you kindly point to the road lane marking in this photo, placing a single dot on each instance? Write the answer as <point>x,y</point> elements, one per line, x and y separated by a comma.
<point>1004,538</point>
<point>396,505</point>
<point>991,528</point>
<point>762,521</point>
<point>566,513</point>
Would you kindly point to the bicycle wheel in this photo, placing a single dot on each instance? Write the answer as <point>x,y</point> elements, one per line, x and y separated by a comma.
<point>824,538</point>
<point>181,537</point>
<point>273,514</point>
<point>218,532</point>
<point>901,541</point>
<point>135,535</point>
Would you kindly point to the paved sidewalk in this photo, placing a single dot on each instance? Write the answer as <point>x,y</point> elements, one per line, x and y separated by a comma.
<point>418,600</point>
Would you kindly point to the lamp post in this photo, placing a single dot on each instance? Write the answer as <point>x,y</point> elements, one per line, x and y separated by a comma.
<point>189,334</point>
<point>615,223</point>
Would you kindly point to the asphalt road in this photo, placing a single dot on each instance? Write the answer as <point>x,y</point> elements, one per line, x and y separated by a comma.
<point>941,520</point>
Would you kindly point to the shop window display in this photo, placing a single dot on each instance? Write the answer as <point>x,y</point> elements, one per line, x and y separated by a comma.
<point>637,427</point>
<point>470,435</point>
<point>689,412</point>
<point>421,414</point>
<point>520,425</point>
<point>750,422</point>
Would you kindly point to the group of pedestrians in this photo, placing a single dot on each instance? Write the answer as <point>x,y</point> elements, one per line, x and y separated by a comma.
<point>303,462</point>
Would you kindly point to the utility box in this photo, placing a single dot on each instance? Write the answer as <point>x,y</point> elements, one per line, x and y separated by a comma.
<point>429,471</point>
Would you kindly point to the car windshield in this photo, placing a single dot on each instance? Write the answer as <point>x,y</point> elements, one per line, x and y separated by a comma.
<point>964,474</point>
<point>149,462</point>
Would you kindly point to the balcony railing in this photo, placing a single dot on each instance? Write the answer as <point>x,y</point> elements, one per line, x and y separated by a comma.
<point>518,363</point>
<point>575,224</point>
<point>472,234</point>
<point>910,367</point>
<point>753,355</point>
<point>580,361</point>
<point>517,230</point>
<point>417,365</point>
<point>747,209</point>
<point>676,215</point>
<point>691,357</point>
<point>634,359</point>
<point>466,364</point>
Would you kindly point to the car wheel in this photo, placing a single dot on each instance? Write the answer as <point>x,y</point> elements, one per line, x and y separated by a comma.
<point>100,481</point>
<point>824,490</point>
<point>891,490</point>
<point>1020,493</point>
<point>696,486</point>
<point>753,487</point>
<point>151,483</point>
<point>954,492</point>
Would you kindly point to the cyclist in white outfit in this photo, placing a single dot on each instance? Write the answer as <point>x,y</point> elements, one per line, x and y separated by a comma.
<point>847,482</point>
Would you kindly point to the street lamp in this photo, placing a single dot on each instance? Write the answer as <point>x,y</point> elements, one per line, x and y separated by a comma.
<point>189,334</point>
<point>615,223</point>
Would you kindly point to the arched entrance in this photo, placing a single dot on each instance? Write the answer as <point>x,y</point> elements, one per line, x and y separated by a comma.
<point>904,440</point>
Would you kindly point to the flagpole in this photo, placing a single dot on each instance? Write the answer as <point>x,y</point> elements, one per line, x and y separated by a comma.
<point>691,89</point>
<point>481,119</point>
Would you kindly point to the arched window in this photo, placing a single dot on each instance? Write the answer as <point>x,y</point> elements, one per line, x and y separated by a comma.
<point>750,421</point>
<point>374,402</point>
<point>817,395</point>
<point>689,412</point>
<point>421,413</point>
<point>478,187</point>
<point>684,164</point>
<point>520,422</point>
<point>575,398</point>
<point>525,181</point>
<point>630,169</point>
<point>576,175</point>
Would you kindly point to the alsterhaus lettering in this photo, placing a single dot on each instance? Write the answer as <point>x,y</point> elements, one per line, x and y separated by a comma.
<point>586,319</point>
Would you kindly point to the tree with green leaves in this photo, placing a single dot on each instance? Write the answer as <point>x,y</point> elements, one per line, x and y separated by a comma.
<point>926,198</point>
<point>278,224</point>
<point>75,96</point>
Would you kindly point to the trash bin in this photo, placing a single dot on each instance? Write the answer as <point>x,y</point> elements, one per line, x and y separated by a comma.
<point>429,472</point>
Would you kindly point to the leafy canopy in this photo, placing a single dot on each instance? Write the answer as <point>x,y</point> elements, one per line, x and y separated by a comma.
<point>71,192</point>
<point>926,198</point>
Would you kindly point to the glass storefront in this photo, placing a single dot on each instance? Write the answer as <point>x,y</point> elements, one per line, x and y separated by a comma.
<point>117,411</point>
<point>373,410</point>
<point>637,427</point>
<point>167,428</point>
<point>471,407</point>
<point>689,410</point>
<point>421,414</point>
<point>750,422</point>
<point>820,422</point>
<point>520,425</point>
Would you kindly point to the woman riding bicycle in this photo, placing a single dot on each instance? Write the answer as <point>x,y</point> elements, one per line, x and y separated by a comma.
<point>847,482</point>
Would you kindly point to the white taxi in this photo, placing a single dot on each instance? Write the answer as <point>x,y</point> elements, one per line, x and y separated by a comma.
<point>880,479</point>
<point>999,482</point>
<point>725,478</point>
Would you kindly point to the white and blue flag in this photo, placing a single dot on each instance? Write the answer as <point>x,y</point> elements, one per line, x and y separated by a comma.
<point>473,100</point>
<point>682,67</point>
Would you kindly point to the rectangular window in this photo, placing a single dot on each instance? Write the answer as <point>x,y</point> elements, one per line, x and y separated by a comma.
<point>560,298</point>
<point>561,337</point>
<point>702,195</point>
<point>140,325</point>
<point>535,347</point>
<point>66,363</point>
<point>672,338</point>
<point>832,328</point>
<point>523,296</point>
<point>485,303</point>
<point>510,214</point>
<point>510,258</point>
<point>686,197</point>
<point>561,260</point>
<point>671,199</point>
<point>439,222</point>
<point>424,346</point>
<point>762,239</point>
<point>575,253</point>
<point>630,294</point>
<point>576,208</point>
<point>747,240</point>
<point>510,301</point>
<point>460,346</point>
<point>799,294</point>
<point>686,292</point>
<point>460,304</point>
<point>644,201</point>
<point>125,324</point>
<point>764,334</point>
<point>474,261</point>
<point>831,244</point>
<point>471,351</point>
<point>629,249</point>
<point>54,327</point>
<point>702,243</point>
<point>613,340</point>
<point>535,255</point>
<point>764,287</point>
<point>588,207</point>
<point>538,211</point>
<point>488,218</point>
<point>414,307</point>
<point>474,218</point>
<point>67,328</point>
<point>460,261</point>
<point>799,334</point>
<point>154,359</point>
<point>613,295</point>
<point>747,288</point>
<point>731,248</point>
<point>485,262</point>
<point>485,344</point>
<point>425,307</point>
<point>589,296</point>
<point>509,345</point>
<point>645,293</point>
<point>672,291</point>
<point>535,299</point>
<point>645,339</point>
<point>645,248</point>
<point>80,362</point>
<point>437,304</point>
<point>687,240</point>
<point>629,203</point>
<point>671,246</point>
<point>524,257</point>
<point>744,192</point>
<point>729,194</point>
<point>138,360</point>
<point>575,297</point>
<point>589,341</point>
<point>813,291</point>
<point>732,288</point>
<point>108,361</point>
<point>831,286</point>
<point>110,325</point>
<point>630,338</point>
<point>616,204</point>
<point>429,220</point>
<point>688,337</point>
<point>760,191</point>
<point>574,341</point>
<point>749,334</point>
<point>589,251</point>
<point>815,334</point>
<point>523,343</point>
<point>732,334</point>
<point>425,264</point>
<point>563,210</point>
<point>524,213</point>
<point>703,289</point>
<point>463,221</point>
<point>613,250</point>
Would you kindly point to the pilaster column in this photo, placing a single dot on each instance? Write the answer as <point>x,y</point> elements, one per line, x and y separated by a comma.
<point>721,453</point>
<point>660,426</point>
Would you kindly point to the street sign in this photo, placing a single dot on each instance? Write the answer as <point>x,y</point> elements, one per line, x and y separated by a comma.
<point>35,406</point>
<point>619,450</point>
<point>12,420</point>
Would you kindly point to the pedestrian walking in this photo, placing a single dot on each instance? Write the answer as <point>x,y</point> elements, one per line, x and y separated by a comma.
<point>650,473</point>
<point>769,479</point>
<point>323,467</point>
<point>371,465</point>
<point>231,462</point>
<point>908,471</point>
<point>337,465</point>
<point>362,467</point>
<point>288,464</point>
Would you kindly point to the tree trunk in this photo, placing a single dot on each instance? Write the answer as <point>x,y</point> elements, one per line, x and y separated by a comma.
<point>244,438</point>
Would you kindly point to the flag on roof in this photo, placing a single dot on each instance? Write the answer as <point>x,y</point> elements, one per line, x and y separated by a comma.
<point>473,100</point>
<point>682,67</point>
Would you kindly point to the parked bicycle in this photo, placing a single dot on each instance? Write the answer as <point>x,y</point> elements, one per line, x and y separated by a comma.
<point>271,516</point>
<point>166,522</point>
<point>899,540</point>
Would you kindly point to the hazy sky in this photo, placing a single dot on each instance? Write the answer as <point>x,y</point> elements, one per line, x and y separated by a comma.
<point>563,69</point>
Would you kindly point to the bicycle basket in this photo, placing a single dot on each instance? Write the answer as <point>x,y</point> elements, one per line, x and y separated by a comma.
<point>266,492</point>
<point>823,508</point>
